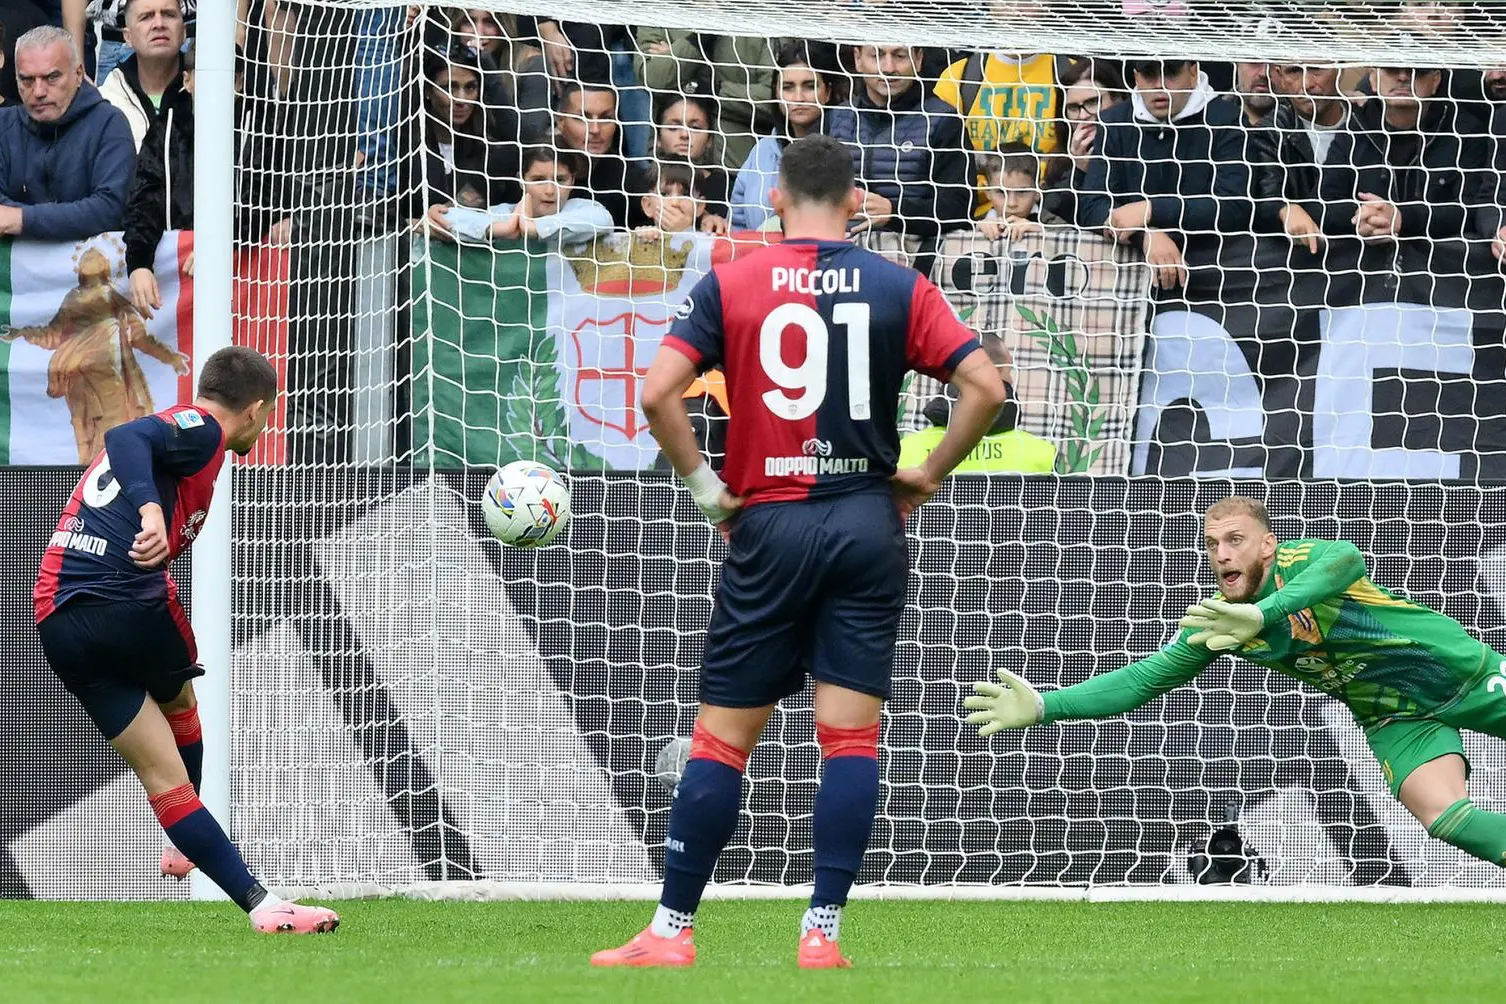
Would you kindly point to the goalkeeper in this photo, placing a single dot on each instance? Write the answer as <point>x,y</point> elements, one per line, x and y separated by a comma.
<point>1411,677</point>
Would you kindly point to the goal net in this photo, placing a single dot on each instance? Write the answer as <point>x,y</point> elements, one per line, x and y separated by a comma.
<point>416,707</point>
<point>465,230</point>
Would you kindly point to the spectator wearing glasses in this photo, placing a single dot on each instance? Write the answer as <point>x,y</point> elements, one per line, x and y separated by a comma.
<point>906,147</point>
<point>1403,187</point>
<point>1090,87</point>
<point>1168,171</point>
<point>804,92</point>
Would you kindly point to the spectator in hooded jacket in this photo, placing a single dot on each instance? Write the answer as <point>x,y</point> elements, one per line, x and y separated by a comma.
<point>162,192</point>
<point>906,146</point>
<point>146,82</point>
<point>1168,172</point>
<point>804,93</point>
<point>66,155</point>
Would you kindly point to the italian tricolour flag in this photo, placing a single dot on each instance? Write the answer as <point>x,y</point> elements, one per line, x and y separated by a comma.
<point>79,358</point>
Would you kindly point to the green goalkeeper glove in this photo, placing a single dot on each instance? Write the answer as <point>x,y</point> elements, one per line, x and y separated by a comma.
<point>1221,625</point>
<point>1012,703</point>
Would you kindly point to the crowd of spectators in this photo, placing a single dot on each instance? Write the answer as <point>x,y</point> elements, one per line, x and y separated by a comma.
<point>1368,169</point>
<point>678,130</point>
<point>473,125</point>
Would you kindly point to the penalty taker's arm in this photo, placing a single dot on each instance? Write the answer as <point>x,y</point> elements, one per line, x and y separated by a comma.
<point>1331,568</point>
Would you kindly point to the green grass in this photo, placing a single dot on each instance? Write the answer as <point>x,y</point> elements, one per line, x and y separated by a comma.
<point>394,952</point>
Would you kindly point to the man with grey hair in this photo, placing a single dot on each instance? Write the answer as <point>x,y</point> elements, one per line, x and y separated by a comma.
<point>66,155</point>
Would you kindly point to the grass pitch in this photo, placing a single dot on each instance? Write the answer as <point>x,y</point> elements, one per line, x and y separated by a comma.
<point>395,951</point>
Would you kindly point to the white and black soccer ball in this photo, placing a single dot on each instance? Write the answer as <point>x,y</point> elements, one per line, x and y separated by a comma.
<point>526,504</point>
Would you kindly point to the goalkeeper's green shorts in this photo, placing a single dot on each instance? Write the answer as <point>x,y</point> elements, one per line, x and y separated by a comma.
<point>1403,745</point>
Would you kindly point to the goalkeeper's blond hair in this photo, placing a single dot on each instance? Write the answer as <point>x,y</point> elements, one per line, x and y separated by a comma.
<point>1238,505</point>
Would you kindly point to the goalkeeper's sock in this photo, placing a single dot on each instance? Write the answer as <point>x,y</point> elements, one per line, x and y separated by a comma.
<point>194,832</point>
<point>190,738</point>
<point>1472,830</point>
<point>843,820</point>
<point>700,824</point>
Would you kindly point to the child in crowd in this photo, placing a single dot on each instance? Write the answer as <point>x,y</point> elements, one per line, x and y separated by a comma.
<point>546,210</point>
<point>675,201</point>
<point>1013,176</point>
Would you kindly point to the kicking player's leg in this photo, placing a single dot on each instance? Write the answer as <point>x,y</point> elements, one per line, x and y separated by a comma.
<point>182,713</point>
<point>148,745</point>
<point>1425,766</point>
<point>852,660</point>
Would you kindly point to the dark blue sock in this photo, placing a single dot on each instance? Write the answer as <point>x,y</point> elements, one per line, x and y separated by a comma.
<point>700,824</point>
<point>843,821</point>
<point>194,832</point>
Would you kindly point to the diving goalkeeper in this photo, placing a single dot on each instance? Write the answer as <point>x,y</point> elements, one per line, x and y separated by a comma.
<point>1411,677</point>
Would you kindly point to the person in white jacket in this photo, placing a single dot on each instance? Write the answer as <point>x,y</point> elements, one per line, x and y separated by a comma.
<point>145,82</point>
<point>547,210</point>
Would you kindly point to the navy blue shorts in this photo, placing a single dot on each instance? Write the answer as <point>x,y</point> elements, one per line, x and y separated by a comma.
<point>113,655</point>
<point>815,586</point>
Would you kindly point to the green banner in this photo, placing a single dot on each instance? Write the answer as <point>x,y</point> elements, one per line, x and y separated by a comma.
<point>486,370</point>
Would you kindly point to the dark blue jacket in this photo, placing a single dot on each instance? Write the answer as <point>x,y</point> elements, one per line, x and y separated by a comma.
<point>1192,171</point>
<point>69,177</point>
<point>911,154</point>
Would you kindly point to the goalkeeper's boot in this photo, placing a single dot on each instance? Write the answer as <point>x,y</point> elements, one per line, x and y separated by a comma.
<point>648,949</point>
<point>817,951</point>
<point>175,865</point>
<point>294,918</point>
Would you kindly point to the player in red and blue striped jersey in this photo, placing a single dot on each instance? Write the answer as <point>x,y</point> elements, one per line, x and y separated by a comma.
<point>815,337</point>
<point>114,633</point>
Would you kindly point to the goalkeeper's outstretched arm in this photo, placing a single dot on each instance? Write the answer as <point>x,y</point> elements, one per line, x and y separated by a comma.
<point>1013,703</point>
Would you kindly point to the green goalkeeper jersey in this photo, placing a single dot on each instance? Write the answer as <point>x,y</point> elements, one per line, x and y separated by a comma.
<point>1327,625</point>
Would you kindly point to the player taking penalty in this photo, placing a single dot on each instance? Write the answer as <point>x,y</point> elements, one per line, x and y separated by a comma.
<point>1412,677</point>
<point>815,337</point>
<point>112,628</point>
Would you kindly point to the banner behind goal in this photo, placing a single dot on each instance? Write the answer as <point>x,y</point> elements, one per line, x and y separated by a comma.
<point>415,708</point>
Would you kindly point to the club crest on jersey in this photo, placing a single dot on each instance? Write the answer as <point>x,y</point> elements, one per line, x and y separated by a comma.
<point>1305,627</point>
<point>684,310</point>
<point>189,420</point>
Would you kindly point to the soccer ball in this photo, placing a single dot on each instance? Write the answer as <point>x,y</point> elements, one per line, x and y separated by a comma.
<point>526,504</point>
